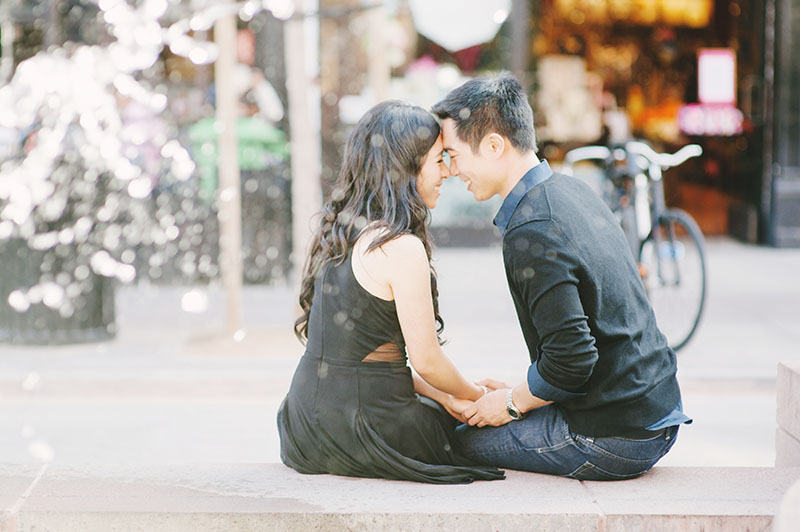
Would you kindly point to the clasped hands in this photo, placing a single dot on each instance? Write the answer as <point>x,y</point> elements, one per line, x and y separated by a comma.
<point>488,410</point>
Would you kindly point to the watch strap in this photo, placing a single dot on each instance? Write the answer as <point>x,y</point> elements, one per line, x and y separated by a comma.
<point>512,409</point>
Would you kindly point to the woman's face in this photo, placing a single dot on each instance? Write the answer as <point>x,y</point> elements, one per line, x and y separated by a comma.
<point>431,175</point>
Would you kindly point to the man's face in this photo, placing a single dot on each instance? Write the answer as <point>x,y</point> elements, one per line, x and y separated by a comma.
<point>473,168</point>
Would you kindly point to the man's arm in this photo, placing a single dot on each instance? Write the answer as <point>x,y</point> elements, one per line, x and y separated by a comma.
<point>548,285</point>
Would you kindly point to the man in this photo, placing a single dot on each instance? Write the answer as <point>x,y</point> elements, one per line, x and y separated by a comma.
<point>601,400</point>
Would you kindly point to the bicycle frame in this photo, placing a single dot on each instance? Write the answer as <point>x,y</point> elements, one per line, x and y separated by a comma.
<point>645,167</point>
<point>655,209</point>
<point>670,260</point>
<point>649,210</point>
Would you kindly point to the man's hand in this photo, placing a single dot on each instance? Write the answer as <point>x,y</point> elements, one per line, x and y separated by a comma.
<point>489,409</point>
<point>493,384</point>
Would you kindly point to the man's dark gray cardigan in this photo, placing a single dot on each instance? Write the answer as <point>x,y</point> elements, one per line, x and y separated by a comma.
<point>594,345</point>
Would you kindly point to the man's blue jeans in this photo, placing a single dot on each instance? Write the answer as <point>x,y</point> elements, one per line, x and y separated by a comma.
<point>541,442</point>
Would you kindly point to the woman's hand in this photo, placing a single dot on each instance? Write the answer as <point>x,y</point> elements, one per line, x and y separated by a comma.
<point>478,392</point>
<point>455,407</point>
<point>493,384</point>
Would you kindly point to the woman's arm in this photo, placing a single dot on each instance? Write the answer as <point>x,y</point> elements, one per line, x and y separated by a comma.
<point>453,405</point>
<point>423,388</point>
<point>406,267</point>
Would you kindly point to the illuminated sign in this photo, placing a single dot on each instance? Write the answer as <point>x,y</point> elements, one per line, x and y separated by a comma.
<point>711,120</point>
<point>716,76</point>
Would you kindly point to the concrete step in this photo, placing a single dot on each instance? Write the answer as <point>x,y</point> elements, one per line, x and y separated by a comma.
<point>272,497</point>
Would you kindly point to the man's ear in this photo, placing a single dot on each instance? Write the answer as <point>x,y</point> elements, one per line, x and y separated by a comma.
<point>493,145</point>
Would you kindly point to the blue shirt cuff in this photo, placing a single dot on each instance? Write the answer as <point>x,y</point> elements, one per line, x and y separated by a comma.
<point>544,390</point>
<point>674,418</point>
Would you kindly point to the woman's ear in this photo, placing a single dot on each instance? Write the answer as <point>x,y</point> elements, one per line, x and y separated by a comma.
<point>493,145</point>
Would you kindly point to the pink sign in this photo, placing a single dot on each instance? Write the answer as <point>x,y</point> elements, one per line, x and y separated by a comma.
<point>712,120</point>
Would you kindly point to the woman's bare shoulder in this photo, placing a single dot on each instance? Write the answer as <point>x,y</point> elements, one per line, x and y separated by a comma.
<point>405,258</point>
<point>405,244</point>
<point>399,244</point>
<point>398,256</point>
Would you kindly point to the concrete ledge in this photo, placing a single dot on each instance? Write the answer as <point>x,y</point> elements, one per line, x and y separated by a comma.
<point>787,442</point>
<point>272,497</point>
<point>787,449</point>
<point>789,511</point>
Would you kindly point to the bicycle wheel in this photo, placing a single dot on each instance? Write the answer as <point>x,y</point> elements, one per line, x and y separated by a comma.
<point>673,269</point>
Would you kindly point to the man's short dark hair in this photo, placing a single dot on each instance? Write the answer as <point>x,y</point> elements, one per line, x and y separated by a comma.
<point>484,105</point>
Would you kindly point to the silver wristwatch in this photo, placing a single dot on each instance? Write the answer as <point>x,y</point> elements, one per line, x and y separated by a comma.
<point>512,410</point>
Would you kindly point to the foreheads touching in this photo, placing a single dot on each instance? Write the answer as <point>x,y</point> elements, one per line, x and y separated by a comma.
<point>394,136</point>
<point>490,105</point>
<point>381,162</point>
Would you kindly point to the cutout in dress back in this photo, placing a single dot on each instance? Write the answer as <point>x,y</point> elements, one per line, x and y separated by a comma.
<point>388,352</point>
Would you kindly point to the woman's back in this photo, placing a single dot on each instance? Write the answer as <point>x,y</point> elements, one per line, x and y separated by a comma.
<point>348,323</point>
<point>351,409</point>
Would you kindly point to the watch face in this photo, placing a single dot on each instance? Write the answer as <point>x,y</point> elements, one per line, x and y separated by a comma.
<point>514,414</point>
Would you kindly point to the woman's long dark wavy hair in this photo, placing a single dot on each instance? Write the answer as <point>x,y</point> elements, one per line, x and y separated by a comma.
<point>377,184</point>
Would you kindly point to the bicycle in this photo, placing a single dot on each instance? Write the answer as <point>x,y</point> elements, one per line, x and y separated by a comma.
<point>666,243</point>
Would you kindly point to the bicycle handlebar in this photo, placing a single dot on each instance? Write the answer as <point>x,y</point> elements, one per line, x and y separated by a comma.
<point>587,152</point>
<point>664,160</point>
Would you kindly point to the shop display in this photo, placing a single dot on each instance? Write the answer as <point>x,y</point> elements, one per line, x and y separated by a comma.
<point>692,13</point>
<point>566,105</point>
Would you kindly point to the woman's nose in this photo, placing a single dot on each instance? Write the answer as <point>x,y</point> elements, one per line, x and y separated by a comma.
<point>453,169</point>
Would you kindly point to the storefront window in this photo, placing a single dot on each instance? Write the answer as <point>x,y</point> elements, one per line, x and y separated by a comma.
<point>692,13</point>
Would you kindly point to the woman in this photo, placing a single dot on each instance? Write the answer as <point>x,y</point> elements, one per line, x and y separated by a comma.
<point>368,295</point>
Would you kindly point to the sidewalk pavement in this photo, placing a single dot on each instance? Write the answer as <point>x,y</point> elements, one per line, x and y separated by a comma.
<point>171,389</point>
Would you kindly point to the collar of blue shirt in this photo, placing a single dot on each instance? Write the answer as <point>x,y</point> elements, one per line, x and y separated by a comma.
<point>539,173</point>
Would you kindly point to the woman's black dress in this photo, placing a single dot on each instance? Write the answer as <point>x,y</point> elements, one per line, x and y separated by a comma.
<point>346,416</point>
